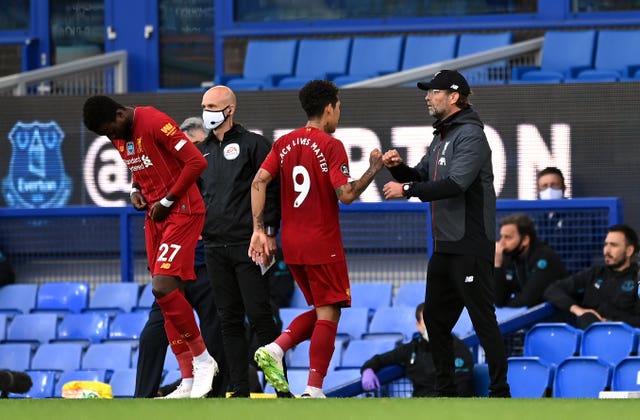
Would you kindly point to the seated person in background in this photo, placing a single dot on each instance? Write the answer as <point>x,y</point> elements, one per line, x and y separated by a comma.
<point>550,184</point>
<point>524,265</point>
<point>415,358</point>
<point>606,292</point>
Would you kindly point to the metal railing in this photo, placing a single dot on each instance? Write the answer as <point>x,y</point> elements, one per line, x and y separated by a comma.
<point>105,73</point>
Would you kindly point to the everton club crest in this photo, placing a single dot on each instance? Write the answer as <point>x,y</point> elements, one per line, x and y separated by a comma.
<point>36,177</point>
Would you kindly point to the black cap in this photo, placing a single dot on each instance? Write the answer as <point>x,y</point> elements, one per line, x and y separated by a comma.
<point>447,79</point>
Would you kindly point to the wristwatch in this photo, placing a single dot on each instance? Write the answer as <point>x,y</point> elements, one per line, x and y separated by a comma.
<point>270,231</point>
<point>407,189</point>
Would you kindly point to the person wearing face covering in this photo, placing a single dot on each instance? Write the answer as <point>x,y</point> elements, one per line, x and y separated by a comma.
<point>456,177</point>
<point>550,184</point>
<point>415,358</point>
<point>240,288</point>
<point>524,265</point>
<point>604,292</point>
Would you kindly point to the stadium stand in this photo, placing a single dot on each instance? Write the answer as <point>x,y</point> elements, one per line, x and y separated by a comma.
<point>625,375</point>
<point>15,356</point>
<point>266,63</point>
<point>108,356</point>
<point>123,383</point>
<point>365,62</point>
<point>114,298</point>
<point>359,351</point>
<point>298,357</point>
<point>43,384</point>
<point>410,294</point>
<point>127,326</point>
<point>3,326</point>
<point>420,50</point>
<point>372,295</point>
<point>57,356</point>
<point>394,322</point>
<point>93,375</point>
<point>494,73</point>
<point>616,58</point>
<point>34,328</point>
<point>354,322</point>
<point>92,327</point>
<point>146,298</point>
<point>581,377</point>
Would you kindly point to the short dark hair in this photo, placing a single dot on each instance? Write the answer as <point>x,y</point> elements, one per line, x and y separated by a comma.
<point>99,110</point>
<point>316,95</point>
<point>630,235</point>
<point>523,223</point>
<point>419,310</point>
<point>551,170</point>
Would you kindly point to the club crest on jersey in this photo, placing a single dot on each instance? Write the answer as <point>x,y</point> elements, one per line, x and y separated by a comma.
<point>36,177</point>
<point>130,148</point>
<point>231,151</point>
<point>344,169</point>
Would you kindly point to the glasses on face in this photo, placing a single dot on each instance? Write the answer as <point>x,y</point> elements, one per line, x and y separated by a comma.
<point>433,92</point>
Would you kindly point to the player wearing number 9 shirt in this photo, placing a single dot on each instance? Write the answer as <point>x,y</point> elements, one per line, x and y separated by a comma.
<point>313,171</point>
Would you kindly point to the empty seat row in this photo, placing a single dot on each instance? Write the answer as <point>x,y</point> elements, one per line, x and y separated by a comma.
<point>74,297</point>
<point>554,342</point>
<point>47,384</point>
<point>289,64</point>
<point>90,327</point>
<point>574,377</point>
<point>585,56</point>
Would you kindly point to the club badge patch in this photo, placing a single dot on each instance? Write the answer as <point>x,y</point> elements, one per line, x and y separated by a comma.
<point>231,151</point>
<point>36,177</point>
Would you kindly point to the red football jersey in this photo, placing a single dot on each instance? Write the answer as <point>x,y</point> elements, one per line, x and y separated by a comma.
<point>311,165</point>
<point>163,160</point>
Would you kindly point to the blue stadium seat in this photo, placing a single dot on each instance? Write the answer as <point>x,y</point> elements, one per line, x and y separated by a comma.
<point>18,298</point>
<point>354,322</point>
<point>420,50</point>
<point>110,356</point>
<point>62,297</point>
<point>473,43</point>
<point>3,326</point>
<point>617,57</point>
<point>172,376</point>
<point>170,361</point>
<point>552,342</point>
<point>359,351</point>
<point>91,327</point>
<point>127,326</point>
<point>57,356</point>
<point>529,377</point>
<point>318,59</point>
<point>626,375</point>
<point>298,357</point>
<point>341,377</point>
<point>15,356</point>
<point>92,375</point>
<point>289,314</point>
<point>506,313</point>
<point>123,383</point>
<point>393,321</point>
<point>581,377</point>
<point>365,61</point>
<point>146,299</point>
<point>610,341</point>
<point>43,383</point>
<point>297,298</point>
<point>35,328</point>
<point>481,380</point>
<point>564,55</point>
<point>265,64</point>
<point>463,326</point>
<point>114,298</point>
<point>410,294</point>
<point>372,295</point>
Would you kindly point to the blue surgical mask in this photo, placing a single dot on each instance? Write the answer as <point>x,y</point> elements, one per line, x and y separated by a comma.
<point>551,194</point>
<point>213,119</point>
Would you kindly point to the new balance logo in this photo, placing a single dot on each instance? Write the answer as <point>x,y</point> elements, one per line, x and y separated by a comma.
<point>468,279</point>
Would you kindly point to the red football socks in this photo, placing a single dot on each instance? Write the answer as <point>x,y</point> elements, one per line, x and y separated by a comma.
<point>298,331</point>
<point>179,313</point>
<point>320,352</point>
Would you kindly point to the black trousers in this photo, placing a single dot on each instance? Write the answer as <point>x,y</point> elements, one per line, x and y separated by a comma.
<point>455,282</point>
<point>153,339</point>
<point>239,290</point>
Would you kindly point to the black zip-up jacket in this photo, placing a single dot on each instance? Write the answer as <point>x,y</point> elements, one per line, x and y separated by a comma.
<point>415,358</point>
<point>456,176</point>
<point>522,280</point>
<point>613,294</point>
<point>226,186</point>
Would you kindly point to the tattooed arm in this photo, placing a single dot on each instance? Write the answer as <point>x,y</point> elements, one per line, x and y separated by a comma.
<point>350,191</point>
<point>258,248</point>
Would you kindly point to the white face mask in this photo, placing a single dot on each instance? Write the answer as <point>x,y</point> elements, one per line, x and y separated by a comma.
<point>550,194</point>
<point>213,119</point>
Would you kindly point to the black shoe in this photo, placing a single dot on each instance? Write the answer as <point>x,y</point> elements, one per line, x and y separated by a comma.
<point>285,394</point>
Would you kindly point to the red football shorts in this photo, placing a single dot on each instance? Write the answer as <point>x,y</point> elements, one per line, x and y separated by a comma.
<point>171,244</point>
<point>323,284</point>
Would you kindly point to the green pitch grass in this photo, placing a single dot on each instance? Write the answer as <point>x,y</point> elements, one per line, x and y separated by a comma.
<point>331,408</point>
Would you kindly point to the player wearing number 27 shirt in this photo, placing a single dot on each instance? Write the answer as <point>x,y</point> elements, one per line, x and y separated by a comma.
<point>313,171</point>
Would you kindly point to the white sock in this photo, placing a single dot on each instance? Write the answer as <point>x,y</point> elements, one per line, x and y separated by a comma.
<point>275,349</point>
<point>188,382</point>
<point>312,390</point>
<point>203,357</point>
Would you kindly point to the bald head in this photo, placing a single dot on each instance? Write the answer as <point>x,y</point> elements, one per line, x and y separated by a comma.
<point>218,97</point>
